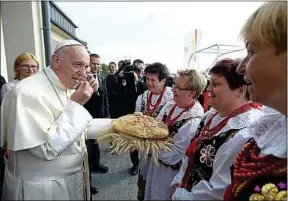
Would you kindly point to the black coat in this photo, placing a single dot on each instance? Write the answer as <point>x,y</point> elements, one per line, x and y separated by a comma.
<point>113,89</point>
<point>98,105</point>
<point>2,81</point>
<point>128,96</point>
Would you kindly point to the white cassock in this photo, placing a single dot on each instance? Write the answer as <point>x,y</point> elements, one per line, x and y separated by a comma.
<point>45,135</point>
<point>221,178</point>
<point>159,176</point>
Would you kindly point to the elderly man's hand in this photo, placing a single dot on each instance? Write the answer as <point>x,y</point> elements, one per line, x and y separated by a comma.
<point>82,93</point>
<point>93,82</point>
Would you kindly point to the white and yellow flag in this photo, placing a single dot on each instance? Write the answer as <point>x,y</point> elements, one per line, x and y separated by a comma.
<point>191,44</point>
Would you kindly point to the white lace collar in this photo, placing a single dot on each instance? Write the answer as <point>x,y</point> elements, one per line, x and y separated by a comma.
<point>239,122</point>
<point>270,133</point>
<point>168,94</point>
<point>195,112</point>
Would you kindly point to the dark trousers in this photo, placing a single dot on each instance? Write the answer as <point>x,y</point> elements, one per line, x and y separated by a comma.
<point>90,177</point>
<point>141,187</point>
<point>93,157</point>
<point>93,153</point>
<point>2,168</point>
<point>134,156</point>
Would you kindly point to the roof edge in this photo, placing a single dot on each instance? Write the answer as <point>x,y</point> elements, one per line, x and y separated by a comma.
<point>60,11</point>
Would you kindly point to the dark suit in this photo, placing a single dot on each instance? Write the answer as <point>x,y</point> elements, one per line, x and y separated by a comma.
<point>98,107</point>
<point>113,90</point>
<point>2,81</point>
<point>2,163</point>
<point>129,95</point>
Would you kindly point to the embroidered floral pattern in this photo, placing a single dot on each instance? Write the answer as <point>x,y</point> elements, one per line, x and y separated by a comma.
<point>207,155</point>
<point>262,129</point>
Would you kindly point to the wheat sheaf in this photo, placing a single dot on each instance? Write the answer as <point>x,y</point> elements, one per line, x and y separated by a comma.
<point>137,132</point>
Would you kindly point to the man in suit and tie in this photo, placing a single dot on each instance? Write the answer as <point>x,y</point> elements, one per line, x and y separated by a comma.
<point>129,93</point>
<point>98,107</point>
<point>113,90</point>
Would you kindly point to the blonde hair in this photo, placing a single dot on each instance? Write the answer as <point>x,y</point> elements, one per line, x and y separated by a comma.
<point>268,24</point>
<point>21,58</point>
<point>196,81</point>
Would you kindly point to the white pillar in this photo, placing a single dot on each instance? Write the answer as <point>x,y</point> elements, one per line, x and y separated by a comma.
<point>22,31</point>
<point>3,55</point>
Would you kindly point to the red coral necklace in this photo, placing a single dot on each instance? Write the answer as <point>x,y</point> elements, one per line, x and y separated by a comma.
<point>207,133</point>
<point>150,107</point>
<point>169,121</point>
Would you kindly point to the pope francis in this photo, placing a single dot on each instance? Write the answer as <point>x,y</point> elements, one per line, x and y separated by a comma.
<point>44,126</point>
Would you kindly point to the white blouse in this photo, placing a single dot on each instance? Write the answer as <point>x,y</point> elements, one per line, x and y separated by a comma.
<point>7,87</point>
<point>221,178</point>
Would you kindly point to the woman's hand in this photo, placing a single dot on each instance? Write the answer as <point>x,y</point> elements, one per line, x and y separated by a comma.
<point>173,189</point>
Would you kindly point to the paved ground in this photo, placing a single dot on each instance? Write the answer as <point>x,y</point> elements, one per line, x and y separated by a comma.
<point>117,184</point>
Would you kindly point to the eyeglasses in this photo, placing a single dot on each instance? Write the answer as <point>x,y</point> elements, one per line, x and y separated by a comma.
<point>176,86</point>
<point>28,67</point>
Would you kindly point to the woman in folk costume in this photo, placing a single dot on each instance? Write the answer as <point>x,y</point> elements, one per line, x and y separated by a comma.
<point>150,103</point>
<point>260,170</point>
<point>204,172</point>
<point>25,65</point>
<point>182,115</point>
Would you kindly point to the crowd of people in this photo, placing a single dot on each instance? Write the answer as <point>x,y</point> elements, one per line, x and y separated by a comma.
<point>233,150</point>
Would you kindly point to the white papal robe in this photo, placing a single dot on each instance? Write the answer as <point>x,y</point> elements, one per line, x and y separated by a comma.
<point>159,177</point>
<point>45,134</point>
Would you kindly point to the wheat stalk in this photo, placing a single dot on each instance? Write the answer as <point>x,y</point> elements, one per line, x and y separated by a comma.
<point>122,144</point>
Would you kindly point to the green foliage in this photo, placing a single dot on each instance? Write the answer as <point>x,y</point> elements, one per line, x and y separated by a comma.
<point>105,69</point>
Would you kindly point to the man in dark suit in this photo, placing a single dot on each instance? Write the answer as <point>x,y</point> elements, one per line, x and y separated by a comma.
<point>129,93</point>
<point>2,163</point>
<point>2,81</point>
<point>113,91</point>
<point>98,107</point>
<point>141,87</point>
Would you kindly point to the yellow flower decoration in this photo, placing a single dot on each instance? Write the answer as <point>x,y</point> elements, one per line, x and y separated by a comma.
<point>269,192</point>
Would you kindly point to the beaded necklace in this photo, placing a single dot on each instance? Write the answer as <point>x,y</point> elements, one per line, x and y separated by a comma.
<point>150,109</point>
<point>249,165</point>
<point>169,121</point>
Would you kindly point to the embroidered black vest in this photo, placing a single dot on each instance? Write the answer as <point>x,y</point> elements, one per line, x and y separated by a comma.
<point>275,187</point>
<point>267,186</point>
<point>173,130</point>
<point>202,168</point>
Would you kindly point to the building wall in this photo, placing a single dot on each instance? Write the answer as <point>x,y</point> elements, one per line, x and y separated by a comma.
<point>57,35</point>
<point>22,31</point>
<point>3,54</point>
